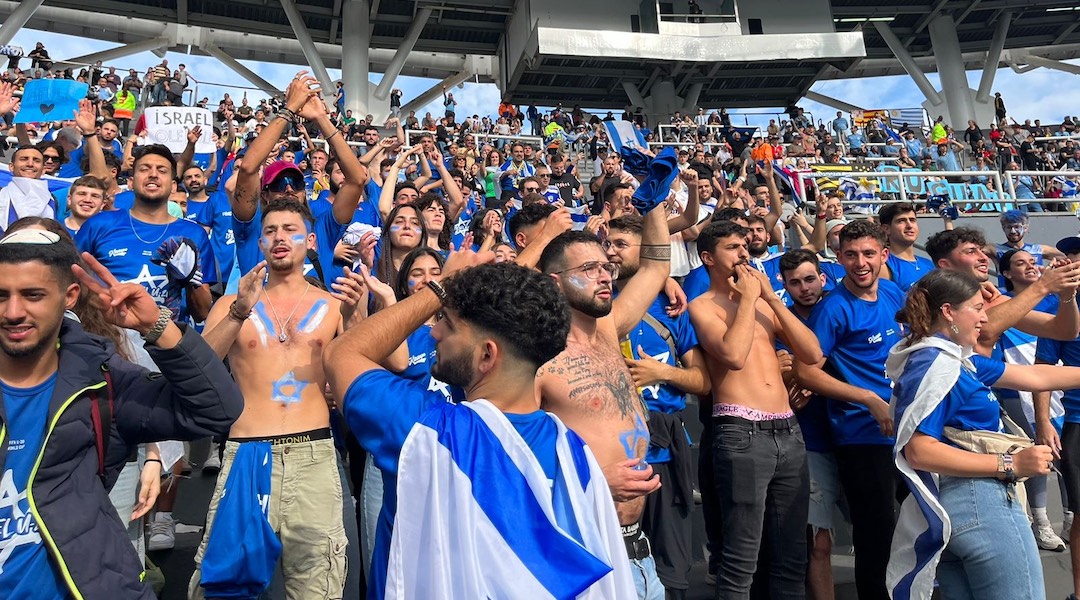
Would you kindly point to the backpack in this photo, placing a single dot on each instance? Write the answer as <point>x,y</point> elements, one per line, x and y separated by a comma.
<point>101,413</point>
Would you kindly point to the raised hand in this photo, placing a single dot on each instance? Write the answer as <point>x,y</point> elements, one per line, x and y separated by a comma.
<point>465,258</point>
<point>314,108</point>
<point>194,134</point>
<point>302,87</point>
<point>250,287</point>
<point>350,290</point>
<point>126,305</point>
<point>8,101</point>
<point>383,293</point>
<point>85,117</point>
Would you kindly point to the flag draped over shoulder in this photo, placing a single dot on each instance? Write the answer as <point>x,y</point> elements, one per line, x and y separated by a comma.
<point>923,529</point>
<point>476,516</point>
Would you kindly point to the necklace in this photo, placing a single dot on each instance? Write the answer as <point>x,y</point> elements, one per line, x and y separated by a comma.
<point>131,221</point>
<point>283,336</point>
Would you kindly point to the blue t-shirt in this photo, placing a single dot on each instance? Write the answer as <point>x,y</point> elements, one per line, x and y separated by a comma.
<point>905,273</point>
<point>327,230</point>
<point>663,397</point>
<point>381,409</point>
<point>855,336</point>
<point>970,405</point>
<point>813,417</point>
<point>771,267</point>
<point>1051,351</point>
<point>124,200</point>
<point>473,203</point>
<point>25,571</point>
<point>421,354</point>
<point>216,213</point>
<point>696,283</point>
<point>1014,343</point>
<point>73,166</point>
<point>125,246</point>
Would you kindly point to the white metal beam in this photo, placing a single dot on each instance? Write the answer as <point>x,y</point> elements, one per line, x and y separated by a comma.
<point>355,55</point>
<point>913,69</point>
<point>315,61</point>
<point>833,102</point>
<point>17,19</point>
<point>240,69</point>
<point>435,91</point>
<point>115,53</point>
<point>402,53</point>
<point>993,57</point>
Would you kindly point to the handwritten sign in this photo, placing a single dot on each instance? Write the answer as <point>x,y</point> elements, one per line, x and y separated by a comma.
<point>50,100</point>
<point>169,125</point>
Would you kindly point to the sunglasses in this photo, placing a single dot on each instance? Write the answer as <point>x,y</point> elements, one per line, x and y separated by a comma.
<point>285,181</point>
<point>50,158</point>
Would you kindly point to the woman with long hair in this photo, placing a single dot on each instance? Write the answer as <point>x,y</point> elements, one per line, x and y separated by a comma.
<point>439,231</point>
<point>486,228</point>
<point>492,161</point>
<point>403,230</point>
<point>962,484</point>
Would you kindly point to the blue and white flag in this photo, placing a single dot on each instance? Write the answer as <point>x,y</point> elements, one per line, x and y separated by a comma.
<point>623,134</point>
<point>889,131</point>
<point>478,518</point>
<point>922,528</point>
<point>1068,185</point>
<point>790,179</point>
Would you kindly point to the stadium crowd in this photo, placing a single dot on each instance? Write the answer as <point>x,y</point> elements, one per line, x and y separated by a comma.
<point>499,351</point>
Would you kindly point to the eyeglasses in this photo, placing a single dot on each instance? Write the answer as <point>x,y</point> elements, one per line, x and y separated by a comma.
<point>279,184</point>
<point>544,175</point>
<point>50,158</point>
<point>532,190</point>
<point>592,269</point>
<point>618,245</point>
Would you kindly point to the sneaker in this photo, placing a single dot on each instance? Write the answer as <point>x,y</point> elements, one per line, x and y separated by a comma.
<point>213,462</point>
<point>1046,538</point>
<point>162,534</point>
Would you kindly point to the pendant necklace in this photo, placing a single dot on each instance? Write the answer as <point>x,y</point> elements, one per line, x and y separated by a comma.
<point>283,336</point>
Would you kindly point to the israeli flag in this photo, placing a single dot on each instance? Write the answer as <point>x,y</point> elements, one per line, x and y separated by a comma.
<point>623,134</point>
<point>1068,185</point>
<point>478,518</point>
<point>922,528</point>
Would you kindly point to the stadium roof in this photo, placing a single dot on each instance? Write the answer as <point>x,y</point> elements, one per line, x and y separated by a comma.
<point>1049,28</point>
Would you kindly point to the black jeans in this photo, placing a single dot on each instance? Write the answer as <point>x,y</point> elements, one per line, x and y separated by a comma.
<point>763,487</point>
<point>869,478</point>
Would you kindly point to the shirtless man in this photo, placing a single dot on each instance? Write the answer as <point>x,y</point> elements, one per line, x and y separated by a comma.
<point>274,338</point>
<point>758,453</point>
<point>589,386</point>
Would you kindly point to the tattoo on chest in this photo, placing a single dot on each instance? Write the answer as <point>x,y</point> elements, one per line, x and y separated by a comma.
<point>601,384</point>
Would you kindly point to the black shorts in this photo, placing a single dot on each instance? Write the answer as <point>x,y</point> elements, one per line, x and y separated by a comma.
<point>1070,463</point>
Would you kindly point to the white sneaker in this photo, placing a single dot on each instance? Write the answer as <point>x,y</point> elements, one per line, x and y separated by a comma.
<point>213,462</point>
<point>162,533</point>
<point>1046,538</point>
<point>1066,527</point>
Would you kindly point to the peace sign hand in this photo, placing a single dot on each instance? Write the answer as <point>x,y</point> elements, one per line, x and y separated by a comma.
<point>126,305</point>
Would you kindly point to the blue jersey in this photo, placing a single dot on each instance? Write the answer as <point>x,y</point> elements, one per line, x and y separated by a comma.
<point>327,231</point>
<point>421,354</point>
<point>473,203</point>
<point>1052,351</point>
<point>73,166</point>
<point>216,213</point>
<point>125,245</point>
<point>969,406</point>
<point>696,283</point>
<point>382,408</point>
<point>663,397</point>
<point>855,336</point>
<point>25,570</point>
<point>905,273</point>
<point>813,416</point>
<point>124,200</point>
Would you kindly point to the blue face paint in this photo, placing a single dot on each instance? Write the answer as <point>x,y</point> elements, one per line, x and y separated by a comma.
<point>298,239</point>
<point>288,390</point>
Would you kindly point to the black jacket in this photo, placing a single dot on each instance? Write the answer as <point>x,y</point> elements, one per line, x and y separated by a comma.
<point>193,397</point>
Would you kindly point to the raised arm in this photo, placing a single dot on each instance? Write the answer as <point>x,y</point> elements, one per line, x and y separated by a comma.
<point>689,216</point>
<point>348,196</point>
<point>188,154</point>
<point>1018,312</point>
<point>639,294</point>
<point>450,188</point>
<point>776,205</point>
<point>86,121</point>
<point>228,315</point>
<point>245,196</point>
<point>555,224</point>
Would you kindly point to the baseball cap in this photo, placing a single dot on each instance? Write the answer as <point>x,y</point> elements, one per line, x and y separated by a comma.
<point>1069,245</point>
<point>831,223</point>
<point>276,168</point>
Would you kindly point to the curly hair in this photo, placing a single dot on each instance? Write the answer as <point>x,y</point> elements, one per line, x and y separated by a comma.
<point>522,309</point>
<point>942,243</point>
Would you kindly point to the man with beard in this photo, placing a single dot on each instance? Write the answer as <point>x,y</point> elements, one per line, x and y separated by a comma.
<point>274,336</point>
<point>856,326</point>
<point>67,393</point>
<point>464,477</point>
<point>806,283</point>
<point>666,365</point>
<point>170,257</point>
<point>901,226</point>
<point>1014,224</point>
<point>961,249</point>
<point>213,212</point>
<point>589,386</point>
<point>759,460</point>
<point>281,181</point>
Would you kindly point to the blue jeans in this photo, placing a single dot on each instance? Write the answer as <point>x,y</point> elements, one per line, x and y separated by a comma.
<point>992,552</point>
<point>645,580</point>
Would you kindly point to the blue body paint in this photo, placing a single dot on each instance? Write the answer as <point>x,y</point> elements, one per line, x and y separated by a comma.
<point>630,440</point>
<point>287,390</point>
<point>314,317</point>
<point>260,311</point>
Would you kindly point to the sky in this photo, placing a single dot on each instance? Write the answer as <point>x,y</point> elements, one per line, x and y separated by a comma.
<point>1039,94</point>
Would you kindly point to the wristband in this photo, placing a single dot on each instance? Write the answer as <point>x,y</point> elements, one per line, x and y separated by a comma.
<point>331,136</point>
<point>86,135</point>
<point>159,327</point>
<point>1069,300</point>
<point>1010,474</point>
<point>438,290</point>
<point>150,460</point>
<point>236,315</point>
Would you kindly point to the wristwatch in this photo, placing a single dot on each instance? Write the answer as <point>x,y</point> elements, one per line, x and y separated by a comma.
<point>439,290</point>
<point>1005,466</point>
<point>159,326</point>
